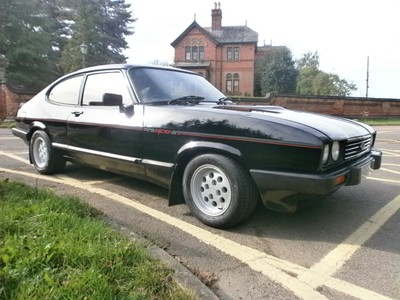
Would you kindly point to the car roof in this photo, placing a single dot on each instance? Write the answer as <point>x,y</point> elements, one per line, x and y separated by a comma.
<point>125,66</point>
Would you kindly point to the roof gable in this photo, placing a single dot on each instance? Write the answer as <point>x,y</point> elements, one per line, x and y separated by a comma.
<point>187,30</point>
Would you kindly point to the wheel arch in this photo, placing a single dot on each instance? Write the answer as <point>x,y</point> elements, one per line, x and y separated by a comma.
<point>36,125</point>
<point>185,154</point>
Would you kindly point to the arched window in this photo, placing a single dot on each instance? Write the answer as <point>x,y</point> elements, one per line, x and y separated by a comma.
<point>194,50</point>
<point>236,84</point>
<point>229,88</point>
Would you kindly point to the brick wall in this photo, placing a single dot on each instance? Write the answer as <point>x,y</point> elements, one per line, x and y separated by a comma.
<point>11,100</point>
<point>353,107</point>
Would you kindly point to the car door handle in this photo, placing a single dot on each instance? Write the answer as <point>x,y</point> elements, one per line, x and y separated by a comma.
<point>77,113</point>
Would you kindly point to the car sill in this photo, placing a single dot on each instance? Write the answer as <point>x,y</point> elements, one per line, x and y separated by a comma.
<point>114,156</point>
<point>94,152</point>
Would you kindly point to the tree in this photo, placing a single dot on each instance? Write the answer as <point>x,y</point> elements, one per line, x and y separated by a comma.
<point>41,38</point>
<point>312,81</point>
<point>276,72</point>
<point>26,40</point>
<point>308,60</point>
<point>102,25</point>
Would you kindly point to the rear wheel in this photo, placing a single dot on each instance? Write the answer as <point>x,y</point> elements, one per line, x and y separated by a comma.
<point>45,158</point>
<point>218,190</point>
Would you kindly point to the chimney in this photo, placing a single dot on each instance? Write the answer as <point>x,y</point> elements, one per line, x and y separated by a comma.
<point>216,17</point>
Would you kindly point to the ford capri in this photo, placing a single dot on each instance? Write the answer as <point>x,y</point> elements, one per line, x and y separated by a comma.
<point>173,128</point>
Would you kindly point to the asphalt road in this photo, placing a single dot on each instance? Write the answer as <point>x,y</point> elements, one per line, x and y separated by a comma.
<point>344,247</point>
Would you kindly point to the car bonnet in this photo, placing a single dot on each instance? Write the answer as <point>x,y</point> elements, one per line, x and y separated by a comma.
<point>335,128</point>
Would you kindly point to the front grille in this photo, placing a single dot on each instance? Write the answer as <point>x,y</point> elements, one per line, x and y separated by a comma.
<point>357,147</point>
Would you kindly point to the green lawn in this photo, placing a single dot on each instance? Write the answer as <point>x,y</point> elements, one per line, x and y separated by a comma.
<point>56,248</point>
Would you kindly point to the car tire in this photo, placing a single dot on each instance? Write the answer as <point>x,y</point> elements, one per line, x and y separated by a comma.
<point>45,158</point>
<point>218,190</point>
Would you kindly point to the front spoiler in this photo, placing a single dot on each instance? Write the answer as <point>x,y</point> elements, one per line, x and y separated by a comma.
<point>316,184</point>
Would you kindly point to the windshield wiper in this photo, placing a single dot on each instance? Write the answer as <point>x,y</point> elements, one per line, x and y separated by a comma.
<point>190,99</point>
<point>224,100</point>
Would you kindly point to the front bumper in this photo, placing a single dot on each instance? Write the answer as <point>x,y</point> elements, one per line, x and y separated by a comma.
<point>317,184</point>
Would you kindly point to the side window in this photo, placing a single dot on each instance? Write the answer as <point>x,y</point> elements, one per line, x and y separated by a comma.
<point>67,91</point>
<point>98,84</point>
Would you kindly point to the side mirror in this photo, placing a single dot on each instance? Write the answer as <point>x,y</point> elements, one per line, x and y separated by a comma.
<point>112,99</point>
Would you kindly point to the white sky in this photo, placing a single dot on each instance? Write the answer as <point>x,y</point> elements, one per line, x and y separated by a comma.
<point>344,32</point>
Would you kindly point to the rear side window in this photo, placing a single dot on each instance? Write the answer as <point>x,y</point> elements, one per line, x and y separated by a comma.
<point>101,83</point>
<point>67,91</point>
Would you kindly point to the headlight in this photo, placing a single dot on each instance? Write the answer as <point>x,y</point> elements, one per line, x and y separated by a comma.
<point>325,156</point>
<point>335,151</point>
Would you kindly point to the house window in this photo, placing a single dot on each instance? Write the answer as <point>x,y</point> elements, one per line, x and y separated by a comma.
<point>188,53</point>
<point>229,53</point>
<point>235,53</point>
<point>232,84</point>
<point>229,84</point>
<point>232,53</point>
<point>201,52</point>
<point>236,83</point>
<point>194,53</point>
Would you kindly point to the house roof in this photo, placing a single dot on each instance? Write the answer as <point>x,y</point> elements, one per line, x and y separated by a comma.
<point>233,34</point>
<point>227,34</point>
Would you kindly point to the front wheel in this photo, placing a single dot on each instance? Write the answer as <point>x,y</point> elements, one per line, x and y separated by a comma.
<point>218,190</point>
<point>44,157</point>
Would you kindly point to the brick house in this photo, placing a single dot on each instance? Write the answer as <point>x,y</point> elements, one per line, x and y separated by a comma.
<point>225,55</point>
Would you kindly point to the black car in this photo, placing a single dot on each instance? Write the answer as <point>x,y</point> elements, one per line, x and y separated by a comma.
<point>173,128</point>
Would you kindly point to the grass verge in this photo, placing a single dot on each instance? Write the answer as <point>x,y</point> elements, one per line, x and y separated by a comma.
<point>382,121</point>
<point>55,247</point>
<point>7,124</point>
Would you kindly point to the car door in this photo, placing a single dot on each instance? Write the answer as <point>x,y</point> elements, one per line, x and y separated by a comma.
<point>61,99</point>
<point>107,133</point>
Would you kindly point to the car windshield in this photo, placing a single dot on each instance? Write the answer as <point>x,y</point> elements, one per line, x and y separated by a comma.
<point>154,85</point>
